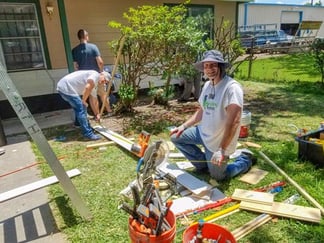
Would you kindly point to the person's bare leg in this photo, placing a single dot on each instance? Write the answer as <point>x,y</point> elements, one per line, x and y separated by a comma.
<point>94,104</point>
<point>105,101</point>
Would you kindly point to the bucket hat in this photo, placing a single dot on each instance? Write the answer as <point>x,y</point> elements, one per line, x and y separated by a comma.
<point>210,56</point>
<point>106,75</point>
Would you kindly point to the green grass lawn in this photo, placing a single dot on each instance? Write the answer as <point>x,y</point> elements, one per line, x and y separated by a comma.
<point>274,106</point>
<point>285,68</point>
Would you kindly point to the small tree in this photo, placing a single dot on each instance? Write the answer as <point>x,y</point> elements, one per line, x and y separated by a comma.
<point>317,51</point>
<point>228,42</point>
<point>159,41</point>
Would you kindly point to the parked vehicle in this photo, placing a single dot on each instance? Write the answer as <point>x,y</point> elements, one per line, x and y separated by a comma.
<point>260,38</point>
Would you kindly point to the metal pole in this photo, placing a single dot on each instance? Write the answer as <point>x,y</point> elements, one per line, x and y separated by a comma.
<point>251,57</point>
<point>38,137</point>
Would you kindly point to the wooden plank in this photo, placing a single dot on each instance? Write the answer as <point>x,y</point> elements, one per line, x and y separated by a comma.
<point>113,136</point>
<point>250,144</point>
<point>253,176</point>
<point>170,145</point>
<point>253,196</point>
<point>192,183</point>
<point>251,225</point>
<point>95,145</point>
<point>285,210</point>
<point>176,155</point>
<point>34,186</point>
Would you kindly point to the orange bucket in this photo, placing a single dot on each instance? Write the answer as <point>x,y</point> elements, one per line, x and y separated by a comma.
<point>166,237</point>
<point>245,124</point>
<point>209,231</point>
<point>244,131</point>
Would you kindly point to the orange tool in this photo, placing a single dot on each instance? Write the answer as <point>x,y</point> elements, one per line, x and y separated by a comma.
<point>143,140</point>
<point>140,227</point>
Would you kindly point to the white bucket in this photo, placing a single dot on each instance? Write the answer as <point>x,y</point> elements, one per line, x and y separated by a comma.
<point>245,123</point>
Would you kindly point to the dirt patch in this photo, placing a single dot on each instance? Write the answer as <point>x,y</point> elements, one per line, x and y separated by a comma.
<point>150,115</point>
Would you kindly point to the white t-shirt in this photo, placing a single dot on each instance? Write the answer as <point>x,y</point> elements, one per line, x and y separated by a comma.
<point>73,84</point>
<point>214,100</point>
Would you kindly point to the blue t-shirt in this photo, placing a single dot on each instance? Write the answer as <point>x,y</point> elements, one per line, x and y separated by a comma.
<point>85,55</point>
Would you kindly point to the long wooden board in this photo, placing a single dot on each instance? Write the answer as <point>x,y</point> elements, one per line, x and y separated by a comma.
<point>192,183</point>
<point>96,145</point>
<point>251,225</point>
<point>285,210</point>
<point>113,136</point>
<point>253,196</point>
<point>34,186</point>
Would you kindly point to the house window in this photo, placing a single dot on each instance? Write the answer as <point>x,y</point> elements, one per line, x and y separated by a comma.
<point>205,13</point>
<point>20,39</point>
<point>205,16</point>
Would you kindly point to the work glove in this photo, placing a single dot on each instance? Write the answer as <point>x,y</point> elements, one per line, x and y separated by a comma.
<point>178,130</point>
<point>219,157</point>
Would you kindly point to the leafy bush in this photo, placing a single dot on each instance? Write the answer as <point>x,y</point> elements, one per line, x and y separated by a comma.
<point>317,50</point>
<point>159,40</point>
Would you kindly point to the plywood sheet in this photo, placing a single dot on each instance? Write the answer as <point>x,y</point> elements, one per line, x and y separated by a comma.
<point>254,176</point>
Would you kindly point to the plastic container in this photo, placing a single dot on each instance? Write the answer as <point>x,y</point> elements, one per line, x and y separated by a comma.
<point>165,237</point>
<point>309,150</point>
<point>245,124</point>
<point>321,125</point>
<point>209,231</point>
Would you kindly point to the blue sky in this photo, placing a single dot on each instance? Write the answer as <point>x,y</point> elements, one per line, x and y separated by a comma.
<point>299,2</point>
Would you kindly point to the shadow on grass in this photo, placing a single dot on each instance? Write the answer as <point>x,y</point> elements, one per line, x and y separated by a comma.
<point>286,102</point>
<point>69,218</point>
<point>299,64</point>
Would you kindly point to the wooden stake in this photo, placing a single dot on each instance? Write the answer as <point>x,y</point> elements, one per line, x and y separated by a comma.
<point>291,181</point>
<point>121,44</point>
<point>254,145</point>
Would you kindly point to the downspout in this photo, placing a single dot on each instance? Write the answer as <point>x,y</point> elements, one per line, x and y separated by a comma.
<point>300,21</point>
<point>65,34</point>
<point>245,14</point>
<point>236,18</point>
